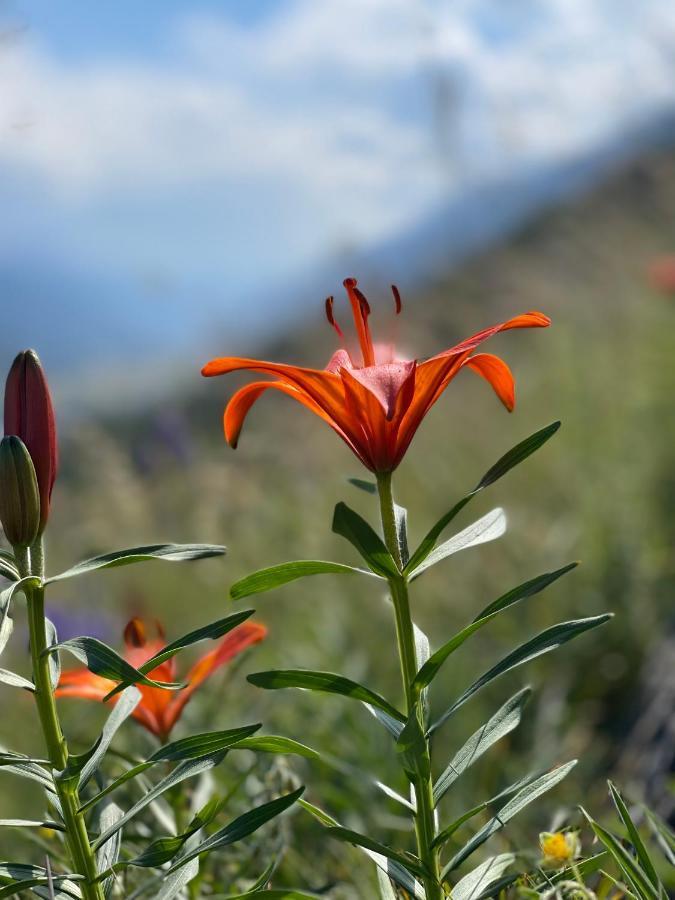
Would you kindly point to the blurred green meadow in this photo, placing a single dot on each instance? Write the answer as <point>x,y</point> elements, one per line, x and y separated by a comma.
<point>602,491</point>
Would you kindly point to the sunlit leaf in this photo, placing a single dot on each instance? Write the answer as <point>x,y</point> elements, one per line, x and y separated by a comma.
<point>482,877</point>
<point>510,809</point>
<point>323,682</point>
<point>121,711</point>
<point>549,639</point>
<point>275,576</point>
<point>14,680</point>
<point>489,528</point>
<point>634,836</point>
<point>350,525</point>
<point>165,552</point>
<point>406,860</point>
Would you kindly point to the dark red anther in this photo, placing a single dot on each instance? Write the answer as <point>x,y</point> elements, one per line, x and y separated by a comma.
<point>365,306</point>
<point>397,298</point>
<point>134,634</point>
<point>331,317</point>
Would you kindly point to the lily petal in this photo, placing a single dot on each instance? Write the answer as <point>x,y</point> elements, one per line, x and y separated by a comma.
<point>526,320</point>
<point>495,371</point>
<point>385,382</point>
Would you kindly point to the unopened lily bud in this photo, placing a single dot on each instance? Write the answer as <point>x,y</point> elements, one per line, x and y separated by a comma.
<point>19,497</point>
<point>29,415</point>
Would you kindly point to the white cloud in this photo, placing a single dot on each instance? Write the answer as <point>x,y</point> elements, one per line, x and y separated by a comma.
<point>335,101</point>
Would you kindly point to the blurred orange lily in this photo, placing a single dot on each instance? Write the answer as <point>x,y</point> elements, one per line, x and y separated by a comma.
<point>158,709</point>
<point>374,400</point>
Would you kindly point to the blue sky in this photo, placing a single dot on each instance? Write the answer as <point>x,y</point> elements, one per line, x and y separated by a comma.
<point>182,155</point>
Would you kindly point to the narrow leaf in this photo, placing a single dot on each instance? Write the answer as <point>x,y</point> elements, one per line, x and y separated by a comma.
<point>516,455</point>
<point>275,576</point>
<point>273,743</point>
<point>502,723</point>
<point>350,525</point>
<point>549,639</point>
<point>508,811</point>
<point>184,770</point>
<point>369,487</point>
<point>634,836</point>
<point>166,552</point>
<point>489,528</point>
<point>8,567</point>
<point>210,632</point>
<point>54,661</point>
<point>318,814</point>
<point>323,682</point>
<point>104,661</point>
<point>109,853</point>
<point>624,859</point>
<point>410,863</point>
<point>527,589</point>
<point>401,523</point>
<point>482,877</point>
<point>14,680</point>
<point>197,745</point>
<point>119,714</point>
<point>242,826</point>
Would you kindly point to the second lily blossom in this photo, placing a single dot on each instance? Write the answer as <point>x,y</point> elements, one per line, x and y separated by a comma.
<point>374,400</point>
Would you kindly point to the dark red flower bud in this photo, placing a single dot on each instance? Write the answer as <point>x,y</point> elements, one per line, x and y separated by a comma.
<point>29,414</point>
<point>19,500</point>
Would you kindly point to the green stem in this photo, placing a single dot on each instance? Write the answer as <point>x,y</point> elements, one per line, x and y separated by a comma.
<point>81,853</point>
<point>425,827</point>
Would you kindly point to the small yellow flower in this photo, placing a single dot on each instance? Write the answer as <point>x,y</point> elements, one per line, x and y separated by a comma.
<point>559,848</point>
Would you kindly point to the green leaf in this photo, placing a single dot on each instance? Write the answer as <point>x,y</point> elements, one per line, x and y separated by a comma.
<point>31,823</point>
<point>397,873</point>
<point>385,886</point>
<point>401,523</point>
<point>8,567</point>
<point>54,661</point>
<point>349,524</point>
<point>194,747</point>
<point>119,714</point>
<point>369,487</point>
<point>104,661</point>
<point>20,872</point>
<point>6,597</point>
<point>634,836</point>
<point>482,877</point>
<point>549,639</point>
<point>323,682</point>
<point>210,632</point>
<point>583,868</point>
<point>273,743</point>
<point>393,726</point>
<point>184,770</point>
<point>411,747</point>
<point>409,862</point>
<point>664,836</point>
<point>281,894</point>
<point>508,811</point>
<point>14,680</point>
<point>197,745</point>
<point>108,855</point>
<point>430,669</point>
<point>504,721</point>
<point>318,814</point>
<point>488,528</point>
<point>25,767</point>
<point>516,455</point>
<point>166,552</point>
<point>242,826</point>
<point>623,858</point>
<point>275,576</point>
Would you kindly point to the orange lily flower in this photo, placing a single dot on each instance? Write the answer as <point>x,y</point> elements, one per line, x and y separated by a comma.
<point>159,709</point>
<point>374,400</point>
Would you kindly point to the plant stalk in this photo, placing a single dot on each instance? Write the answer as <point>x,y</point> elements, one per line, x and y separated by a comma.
<point>425,827</point>
<point>81,852</point>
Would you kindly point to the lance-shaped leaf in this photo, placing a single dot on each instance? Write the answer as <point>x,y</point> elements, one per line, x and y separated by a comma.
<point>24,877</point>
<point>401,523</point>
<point>502,723</point>
<point>549,639</point>
<point>194,747</point>
<point>629,866</point>
<point>582,868</point>
<point>187,769</point>
<point>634,836</point>
<point>508,811</point>
<point>165,552</point>
<point>393,726</point>
<point>406,860</point>
<point>14,680</point>
<point>26,767</point>
<point>397,873</point>
<point>280,894</point>
<point>489,528</point>
<point>8,566</point>
<point>368,487</point>
<point>104,661</point>
<point>109,853</point>
<point>528,589</point>
<point>164,849</point>
<point>6,597</point>
<point>275,743</point>
<point>276,576</point>
<point>32,823</point>
<point>210,632</point>
<point>663,834</point>
<point>482,877</point>
<point>514,456</point>
<point>350,525</point>
<point>443,836</point>
<point>119,714</point>
<point>323,682</point>
<point>242,826</point>
<point>54,661</point>
<point>411,747</point>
